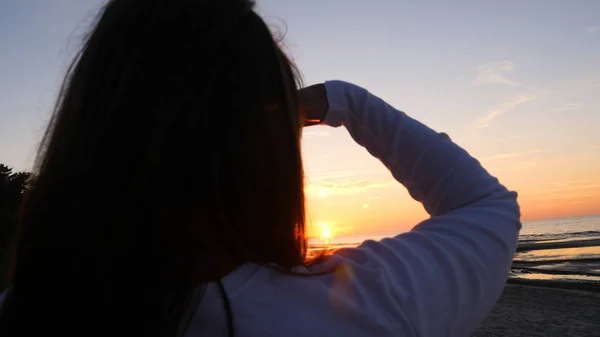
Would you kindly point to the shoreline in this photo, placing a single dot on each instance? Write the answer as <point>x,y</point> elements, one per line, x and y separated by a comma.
<point>538,310</point>
<point>590,287</point>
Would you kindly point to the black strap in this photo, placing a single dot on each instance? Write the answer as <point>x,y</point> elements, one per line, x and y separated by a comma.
<point>228,311</point>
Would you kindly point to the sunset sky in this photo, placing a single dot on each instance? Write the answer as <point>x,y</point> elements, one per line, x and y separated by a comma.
<point>516,83</point>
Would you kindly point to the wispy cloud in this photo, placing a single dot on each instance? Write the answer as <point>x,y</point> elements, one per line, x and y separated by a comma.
<point>593,29</point>
<point>315,134</point>
<point>356,184</point>
<point>528,165</point>
<point>567,196</point>
<point>570,107</point>
<point>512,138</point>
<point>501,109</point>
<point>562,189</point>
<point>324,174</point>
<point>334,187</point>
<point>494,73</point>
<point>347,184</point>
<point>511,155</point>
<point>568,183</point>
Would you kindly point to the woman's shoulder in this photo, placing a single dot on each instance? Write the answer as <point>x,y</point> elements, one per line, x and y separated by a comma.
<point>337,296</point>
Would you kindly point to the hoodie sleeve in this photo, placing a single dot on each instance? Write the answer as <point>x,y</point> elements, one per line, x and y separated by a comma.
<point>448,272</point>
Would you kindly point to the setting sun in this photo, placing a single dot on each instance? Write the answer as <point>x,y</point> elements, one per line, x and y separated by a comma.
<point>325,234</point>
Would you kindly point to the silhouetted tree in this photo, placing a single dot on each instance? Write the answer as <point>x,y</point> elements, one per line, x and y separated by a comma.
<point>12,187</point>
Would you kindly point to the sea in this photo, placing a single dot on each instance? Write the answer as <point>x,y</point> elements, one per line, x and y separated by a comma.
<point>564,251</point>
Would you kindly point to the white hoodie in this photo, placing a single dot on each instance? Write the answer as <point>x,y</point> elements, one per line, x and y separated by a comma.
<point>440,279</point>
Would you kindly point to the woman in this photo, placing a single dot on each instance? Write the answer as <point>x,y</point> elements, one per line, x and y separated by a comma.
<point>168,197</point>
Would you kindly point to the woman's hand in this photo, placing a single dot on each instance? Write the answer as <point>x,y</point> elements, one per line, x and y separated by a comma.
<point>313,104</point>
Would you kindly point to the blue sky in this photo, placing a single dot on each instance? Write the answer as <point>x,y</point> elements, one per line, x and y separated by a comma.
<point>514,82</point>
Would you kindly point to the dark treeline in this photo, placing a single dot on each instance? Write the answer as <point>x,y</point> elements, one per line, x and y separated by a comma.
<point>12,186</point>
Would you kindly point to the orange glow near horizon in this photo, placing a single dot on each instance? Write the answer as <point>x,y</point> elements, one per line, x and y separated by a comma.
<point>322,230</point>
<point>350,193</point>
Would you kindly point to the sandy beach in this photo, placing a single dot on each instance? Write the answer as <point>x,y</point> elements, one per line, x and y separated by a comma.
<point>540,311</point>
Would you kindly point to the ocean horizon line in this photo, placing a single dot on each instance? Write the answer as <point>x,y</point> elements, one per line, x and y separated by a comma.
<point>384,233</point>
